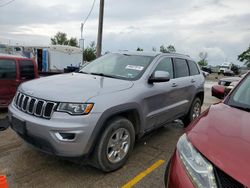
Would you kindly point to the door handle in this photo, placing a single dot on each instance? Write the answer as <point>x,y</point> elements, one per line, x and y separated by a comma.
<point>174,85</point>
<point>192,81</point>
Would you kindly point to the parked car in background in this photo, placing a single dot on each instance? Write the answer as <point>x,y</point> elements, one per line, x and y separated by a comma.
<point>214,151</point>
<point>96,114</point>
<point>205,74</point>
<point>14,70</point>
<point>207,69</point>
<point>228,73</point>
<point>225,67</point>
<point>224,86</point>
<point>226,81</point>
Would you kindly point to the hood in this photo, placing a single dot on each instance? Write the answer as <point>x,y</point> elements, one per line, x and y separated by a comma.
<point>222,135</point>
<point>73,87</point>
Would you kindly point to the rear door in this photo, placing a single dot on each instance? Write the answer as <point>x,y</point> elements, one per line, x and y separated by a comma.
<point>27,70</point>
<point>183,86</point>
<point>8,80</point>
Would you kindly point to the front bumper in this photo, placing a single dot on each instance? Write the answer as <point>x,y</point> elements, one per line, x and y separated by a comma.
<point>43,133</point>
<point>175,175</point>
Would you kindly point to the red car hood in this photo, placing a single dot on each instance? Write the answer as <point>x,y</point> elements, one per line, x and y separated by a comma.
<point>222,135</point>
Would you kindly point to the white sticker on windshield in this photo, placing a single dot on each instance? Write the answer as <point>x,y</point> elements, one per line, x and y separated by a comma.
<point>134,67</point>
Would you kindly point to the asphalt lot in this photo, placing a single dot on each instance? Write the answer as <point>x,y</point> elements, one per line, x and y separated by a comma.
<point>26,167</point>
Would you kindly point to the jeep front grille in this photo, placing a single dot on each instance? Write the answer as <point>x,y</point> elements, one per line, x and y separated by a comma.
<point>34,106</point>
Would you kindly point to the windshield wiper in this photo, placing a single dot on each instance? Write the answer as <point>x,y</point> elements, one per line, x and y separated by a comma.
<point>101,74</point>
<point>241,108</point>
<point>83,72</point>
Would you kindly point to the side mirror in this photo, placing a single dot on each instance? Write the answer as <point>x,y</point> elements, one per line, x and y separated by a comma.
<point>159,76</point>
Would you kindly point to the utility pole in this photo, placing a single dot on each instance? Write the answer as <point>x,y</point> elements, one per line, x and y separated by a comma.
<point>100,30</point>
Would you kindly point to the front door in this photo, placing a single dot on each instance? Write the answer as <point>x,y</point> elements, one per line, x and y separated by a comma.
<point>8,80</point>
<point>160,98</point>
<point>27,70</point>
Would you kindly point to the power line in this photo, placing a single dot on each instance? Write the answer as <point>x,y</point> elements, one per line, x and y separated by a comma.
<point>2,5</point>
<point>88,15</point>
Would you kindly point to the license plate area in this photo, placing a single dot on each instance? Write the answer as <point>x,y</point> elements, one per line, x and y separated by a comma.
<point>18,125</point>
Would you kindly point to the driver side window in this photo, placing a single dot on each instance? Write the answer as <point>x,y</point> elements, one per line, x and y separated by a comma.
<point>166,65</point>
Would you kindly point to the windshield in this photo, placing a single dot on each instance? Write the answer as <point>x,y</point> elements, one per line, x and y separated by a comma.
<point>240,98</point>
<point>115,65</point>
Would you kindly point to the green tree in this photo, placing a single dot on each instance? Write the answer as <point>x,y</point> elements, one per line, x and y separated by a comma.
<point>171,49</point>
<point>163,49</point>
<point>89,53</point>
<point>168,49</point>
<point>203,59</point>
<point>245,57</point>
<point>139,49</point>
<point>61,39</point>
<point>73,42</point>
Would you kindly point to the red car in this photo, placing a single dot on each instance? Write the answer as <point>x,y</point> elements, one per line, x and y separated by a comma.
<point>215,150</point>
<point>13,71</point>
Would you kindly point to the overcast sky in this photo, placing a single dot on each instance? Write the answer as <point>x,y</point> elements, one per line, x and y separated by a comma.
<point>219,27</point>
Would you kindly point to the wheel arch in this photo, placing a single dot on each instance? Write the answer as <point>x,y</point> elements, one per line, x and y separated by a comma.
<point>200,95</point>
<point>130,111</point>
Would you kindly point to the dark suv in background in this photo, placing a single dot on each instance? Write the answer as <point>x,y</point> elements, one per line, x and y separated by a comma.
<point>98,112</point>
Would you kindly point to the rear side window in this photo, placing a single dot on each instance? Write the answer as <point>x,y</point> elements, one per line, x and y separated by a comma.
<point>27,70</point>
<point>193,68</point>
<point>7,69</point>
<point>166,65</point>
<point>181,68</point>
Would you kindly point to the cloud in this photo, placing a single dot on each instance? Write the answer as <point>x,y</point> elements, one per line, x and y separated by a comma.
<point>220,27</point>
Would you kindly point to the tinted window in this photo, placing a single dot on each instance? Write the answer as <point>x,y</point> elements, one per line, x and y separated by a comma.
<point>193,68</point>
<point>166,65</point>
<point>7,69</point>
<point>27,69</point>
<point>181,68</point>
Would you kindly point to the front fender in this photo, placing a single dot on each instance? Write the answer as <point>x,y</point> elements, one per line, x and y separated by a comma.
<point>107,114</point>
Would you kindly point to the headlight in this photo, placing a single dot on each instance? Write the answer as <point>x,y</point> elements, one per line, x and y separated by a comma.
<point>75,108</point>
<point>198,168</point>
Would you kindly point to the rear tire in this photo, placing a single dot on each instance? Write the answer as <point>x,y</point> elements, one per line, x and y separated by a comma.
<point>115,145</point>
<point>193,113</point>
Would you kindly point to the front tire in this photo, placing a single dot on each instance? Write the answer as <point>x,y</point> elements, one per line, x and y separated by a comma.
<point>193,113</point>
<point>115,144</point>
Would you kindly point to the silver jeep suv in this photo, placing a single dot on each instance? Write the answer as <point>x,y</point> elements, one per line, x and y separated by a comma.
<point>97,113</point>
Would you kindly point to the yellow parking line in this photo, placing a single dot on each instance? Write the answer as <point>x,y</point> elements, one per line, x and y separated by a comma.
<point>140,176</point>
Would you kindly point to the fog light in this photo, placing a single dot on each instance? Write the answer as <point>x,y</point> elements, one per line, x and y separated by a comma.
<point>66,136</point>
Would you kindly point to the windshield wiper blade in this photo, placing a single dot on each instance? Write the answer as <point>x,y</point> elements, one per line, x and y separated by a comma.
<point>101,74</point>
<point>83,72</point>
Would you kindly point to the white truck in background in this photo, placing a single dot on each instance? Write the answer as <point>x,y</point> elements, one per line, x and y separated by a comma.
<point>225,67</point>
<point>56,58</point>
<point>49,59</point>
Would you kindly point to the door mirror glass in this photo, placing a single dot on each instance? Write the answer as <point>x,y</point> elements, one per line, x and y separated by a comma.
<point>159,76</point>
